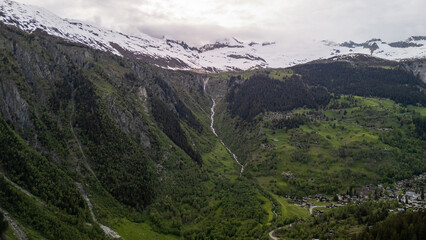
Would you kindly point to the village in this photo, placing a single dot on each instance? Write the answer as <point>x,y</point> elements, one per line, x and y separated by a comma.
<point>409,192</point>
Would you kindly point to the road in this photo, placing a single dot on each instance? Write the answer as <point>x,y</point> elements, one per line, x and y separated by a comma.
<point>311,208</point>
<point>271,233</point>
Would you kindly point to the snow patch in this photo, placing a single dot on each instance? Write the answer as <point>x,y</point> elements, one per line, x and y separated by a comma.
<point>224,55</point>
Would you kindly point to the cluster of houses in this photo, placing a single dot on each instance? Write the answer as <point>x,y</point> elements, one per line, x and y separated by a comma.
<point>411,192</point>
<point>408,192</point>
<point>308,201</point>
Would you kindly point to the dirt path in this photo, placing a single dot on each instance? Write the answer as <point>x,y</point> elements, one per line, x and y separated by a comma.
<point>19,233</point>
<point>23,190</point>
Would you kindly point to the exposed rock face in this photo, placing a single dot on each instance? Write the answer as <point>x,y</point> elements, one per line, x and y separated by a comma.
<point>402,44</point>
<point>13,107</point>
<point>418,67</point>
<point>143,97</point>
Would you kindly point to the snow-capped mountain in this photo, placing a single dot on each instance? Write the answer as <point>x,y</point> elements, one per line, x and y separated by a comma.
<point>228,54</point>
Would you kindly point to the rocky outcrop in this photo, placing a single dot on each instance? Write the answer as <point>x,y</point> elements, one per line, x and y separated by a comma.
<point>417,67</point>
<point>13,107</point>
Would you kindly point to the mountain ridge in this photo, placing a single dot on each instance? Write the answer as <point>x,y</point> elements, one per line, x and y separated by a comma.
<point>225,55</point>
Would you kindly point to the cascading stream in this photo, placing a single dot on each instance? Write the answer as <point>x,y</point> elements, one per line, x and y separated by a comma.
<point>108,231</point>
<point>214,131</point>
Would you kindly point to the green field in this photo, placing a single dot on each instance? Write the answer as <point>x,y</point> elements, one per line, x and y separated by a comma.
<point>130,230</point>
<point>291,211</point>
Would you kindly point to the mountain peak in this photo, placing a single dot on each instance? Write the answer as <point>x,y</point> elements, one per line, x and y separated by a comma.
<point>223,55</point>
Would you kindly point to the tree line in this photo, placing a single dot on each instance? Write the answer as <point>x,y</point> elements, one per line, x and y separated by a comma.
<point>346,78</point>
<point>260,94</point>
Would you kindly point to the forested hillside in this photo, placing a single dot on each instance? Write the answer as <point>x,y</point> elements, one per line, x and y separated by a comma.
<point>391,82</point>
<point>261,94</point>
<point>94,145</point>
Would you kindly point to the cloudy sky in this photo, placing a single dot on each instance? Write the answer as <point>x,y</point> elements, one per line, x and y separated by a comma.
<point>202,21</point>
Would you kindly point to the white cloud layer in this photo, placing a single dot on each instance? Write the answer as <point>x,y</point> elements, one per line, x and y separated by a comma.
<point>202,21</point>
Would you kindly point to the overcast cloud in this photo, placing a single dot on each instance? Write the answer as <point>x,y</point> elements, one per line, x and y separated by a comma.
<point>202,21</point>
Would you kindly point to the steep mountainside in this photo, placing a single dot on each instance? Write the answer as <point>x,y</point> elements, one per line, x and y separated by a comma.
<point>224,55</point>
<point>96,142</point>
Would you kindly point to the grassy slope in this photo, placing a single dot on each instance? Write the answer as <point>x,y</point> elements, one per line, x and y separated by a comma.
<point>291,211</point>
<point>131,230</point>
<point>346,130</point>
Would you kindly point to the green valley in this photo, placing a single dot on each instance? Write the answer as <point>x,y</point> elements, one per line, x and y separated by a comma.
<point>99,146</point>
